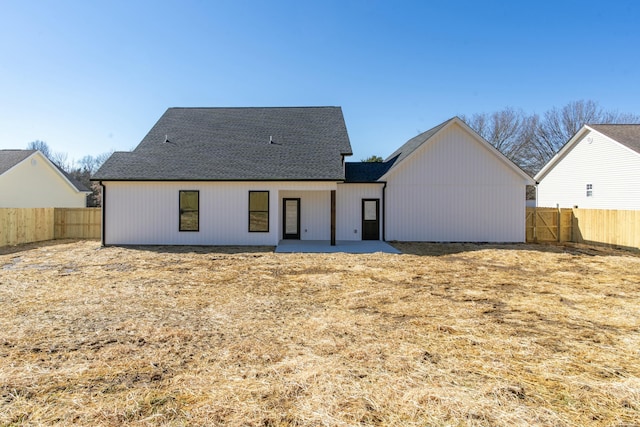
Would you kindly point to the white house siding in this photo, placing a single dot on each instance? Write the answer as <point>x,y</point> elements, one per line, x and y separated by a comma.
<point>612,169</point>
<point>148,212</point>
<point>315,213</point>
<point>455,189</point>
<point>349,208</point>
<point>35,183</point>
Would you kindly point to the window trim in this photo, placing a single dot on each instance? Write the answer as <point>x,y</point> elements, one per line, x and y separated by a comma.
<point>180,228</point>
<point>251,211</point>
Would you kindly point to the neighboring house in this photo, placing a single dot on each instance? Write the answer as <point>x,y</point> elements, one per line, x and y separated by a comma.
<point>29,180</point>
<point>598,168</point>
<point>255,176</point>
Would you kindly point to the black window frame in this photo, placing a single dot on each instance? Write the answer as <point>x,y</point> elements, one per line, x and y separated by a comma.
<point>251,211</point>
<point>181,211</point>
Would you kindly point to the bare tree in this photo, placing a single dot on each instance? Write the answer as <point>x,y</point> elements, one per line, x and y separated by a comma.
<point>531,141</point>
<point>59,158</point>
<point>501,128</point>
<point>504,130</point>
<point>41,146</point>
<point>92,164</point>
<point>528,160</point>
<point>86,167</point>
<point>559,125</point>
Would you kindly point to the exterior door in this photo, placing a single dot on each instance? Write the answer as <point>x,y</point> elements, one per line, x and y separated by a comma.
<point>370,219</point>
<point>291,218</point>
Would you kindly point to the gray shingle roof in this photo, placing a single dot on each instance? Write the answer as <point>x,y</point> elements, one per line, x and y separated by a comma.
<point>411,145</point>
<point>366,171</point>
<point>626,134</point>
<point>234,144</point>
<point>10,158</point>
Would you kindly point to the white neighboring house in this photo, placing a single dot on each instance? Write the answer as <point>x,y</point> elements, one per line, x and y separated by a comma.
<point>29,180</point>
<point>598,168</point>
<point>255,176</point>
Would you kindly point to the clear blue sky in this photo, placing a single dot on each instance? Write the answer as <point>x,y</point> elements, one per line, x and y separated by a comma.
<point>93,76</point>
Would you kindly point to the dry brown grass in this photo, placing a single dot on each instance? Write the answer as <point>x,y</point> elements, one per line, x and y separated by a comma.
<point>442,335</point>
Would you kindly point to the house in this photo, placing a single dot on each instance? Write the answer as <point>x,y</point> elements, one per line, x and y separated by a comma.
<point>255,176</point>
<point>28,179</point>
<point>448,184</point>
<point>598,168</point>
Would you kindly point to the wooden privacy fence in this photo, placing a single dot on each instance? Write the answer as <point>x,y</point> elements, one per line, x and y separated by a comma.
<point>601,226</point>
<point>80,223</point>
<point>25,225</point>
<point>611,227</point>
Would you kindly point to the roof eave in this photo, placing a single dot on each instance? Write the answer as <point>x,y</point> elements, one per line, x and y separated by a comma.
<point>103,179</point>
<point>562,152</point>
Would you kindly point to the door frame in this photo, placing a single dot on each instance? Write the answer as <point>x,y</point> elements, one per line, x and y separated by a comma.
<point>377,220</point>
<point>286,236</point>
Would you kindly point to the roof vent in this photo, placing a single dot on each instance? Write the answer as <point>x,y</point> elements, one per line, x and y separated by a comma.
<point>166,139</point>
<point>270,139</point>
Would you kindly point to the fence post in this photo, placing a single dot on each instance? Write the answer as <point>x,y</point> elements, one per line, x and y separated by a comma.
<point>573,225</point>
<point>558,230</point>
<point>535,231</point>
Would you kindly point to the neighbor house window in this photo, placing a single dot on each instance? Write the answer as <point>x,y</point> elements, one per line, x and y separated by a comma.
<point>189,210</point>
<point>589,190</point>
<point>259,211</point>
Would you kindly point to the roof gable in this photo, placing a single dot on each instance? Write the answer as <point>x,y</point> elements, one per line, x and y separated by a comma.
<point>627,135</point>
<point>414,143</point>
<point>11,158</point>
<point>410,147</point>
<point>273,143</point>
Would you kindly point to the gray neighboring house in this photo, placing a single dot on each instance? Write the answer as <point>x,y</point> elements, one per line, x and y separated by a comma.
<point>255,176</point>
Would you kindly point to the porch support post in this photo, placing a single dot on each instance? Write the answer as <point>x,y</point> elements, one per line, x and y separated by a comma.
<point>333,217</point>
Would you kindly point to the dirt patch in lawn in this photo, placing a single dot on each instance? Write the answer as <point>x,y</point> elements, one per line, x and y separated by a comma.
<point>441,335</point>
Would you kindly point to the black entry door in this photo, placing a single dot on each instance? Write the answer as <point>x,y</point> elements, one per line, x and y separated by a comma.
<point>291,218</point>
<point>370,219</point>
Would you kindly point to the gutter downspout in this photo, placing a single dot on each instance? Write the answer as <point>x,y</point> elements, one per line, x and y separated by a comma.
<point>384,211</point>
<point>104,201</point>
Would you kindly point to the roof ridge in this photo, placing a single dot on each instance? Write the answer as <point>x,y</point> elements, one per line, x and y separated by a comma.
<point>613,124</point>
<point>230,143</point>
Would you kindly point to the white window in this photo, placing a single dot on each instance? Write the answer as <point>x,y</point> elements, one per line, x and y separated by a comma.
<point>589,190</point>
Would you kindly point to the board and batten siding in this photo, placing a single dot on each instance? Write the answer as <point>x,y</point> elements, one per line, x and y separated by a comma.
<point>349,208</point>
<point>611,168</point>
<point>147,213</point>
<point>455,189</point>
<point>35,183</point>
<point>315,213</point>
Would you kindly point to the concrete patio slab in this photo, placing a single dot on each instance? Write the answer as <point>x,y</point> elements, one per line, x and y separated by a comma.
<point>346,246</point>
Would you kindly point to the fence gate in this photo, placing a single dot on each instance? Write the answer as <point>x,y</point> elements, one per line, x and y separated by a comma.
<point>549,225</point>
